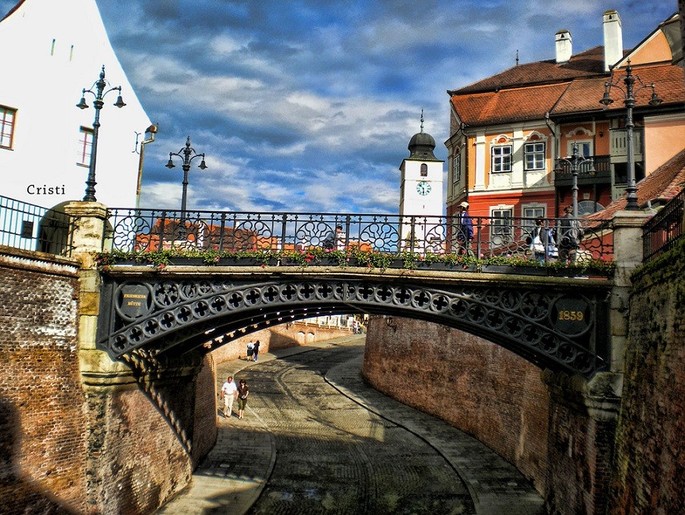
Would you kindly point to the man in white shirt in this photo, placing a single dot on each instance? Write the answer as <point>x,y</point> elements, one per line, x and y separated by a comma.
<point>229,391</point>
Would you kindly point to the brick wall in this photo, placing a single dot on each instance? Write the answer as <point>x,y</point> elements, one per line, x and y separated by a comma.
<point>471,383</point>
<point>135,456</point>
<point>650,449</point>
<point>205,430</point>
<point>277,337</point>
<point>580,451</point>
<point>42,464</point>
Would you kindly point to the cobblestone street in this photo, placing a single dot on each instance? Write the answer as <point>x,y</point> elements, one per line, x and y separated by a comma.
<point>316,439</point>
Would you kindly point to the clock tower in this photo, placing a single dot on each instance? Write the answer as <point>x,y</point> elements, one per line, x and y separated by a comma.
<point>421,195</point>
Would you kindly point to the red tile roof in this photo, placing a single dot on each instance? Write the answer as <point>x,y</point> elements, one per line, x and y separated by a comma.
<point>507,105</point>
<point>658,187</point>
<point>585,64</point>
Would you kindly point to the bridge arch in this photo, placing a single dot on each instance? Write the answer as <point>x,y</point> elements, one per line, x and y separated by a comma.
<point>557,325</point>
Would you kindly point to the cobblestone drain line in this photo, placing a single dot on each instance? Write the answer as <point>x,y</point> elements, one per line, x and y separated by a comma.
<point>337,457</point>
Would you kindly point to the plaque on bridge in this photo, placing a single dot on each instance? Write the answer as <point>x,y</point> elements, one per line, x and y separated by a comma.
<point>134,301</point>
<point>572,316</point>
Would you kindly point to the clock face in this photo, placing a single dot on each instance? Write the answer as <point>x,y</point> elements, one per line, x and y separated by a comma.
<point>423,188</point>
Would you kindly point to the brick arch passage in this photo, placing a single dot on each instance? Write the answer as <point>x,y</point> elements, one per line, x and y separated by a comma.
<point>553,328</point>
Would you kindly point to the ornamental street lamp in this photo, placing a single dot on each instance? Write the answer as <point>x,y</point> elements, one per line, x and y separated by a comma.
<point>575,161</point>
<point>629,101</point>
<point>188,154</point>
<point>99,94</point>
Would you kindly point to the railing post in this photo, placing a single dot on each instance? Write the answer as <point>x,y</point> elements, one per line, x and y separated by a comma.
<point>284,232</point>
<point>628,255</point>
<point>88,234</point>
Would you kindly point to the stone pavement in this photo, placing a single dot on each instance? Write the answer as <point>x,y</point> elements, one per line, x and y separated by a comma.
<point>235,472</point>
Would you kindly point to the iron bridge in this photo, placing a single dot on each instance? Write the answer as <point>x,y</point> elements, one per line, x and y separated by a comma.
<point>559,324</point>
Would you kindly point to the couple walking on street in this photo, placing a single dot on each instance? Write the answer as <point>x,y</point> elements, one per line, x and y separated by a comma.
<point>253,351</point>
<point>230,392</point>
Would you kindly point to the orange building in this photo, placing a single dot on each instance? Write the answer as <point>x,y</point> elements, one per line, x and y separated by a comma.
<point>509,131</point>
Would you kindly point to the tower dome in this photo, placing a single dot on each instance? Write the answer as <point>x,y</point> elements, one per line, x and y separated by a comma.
<point>421,145</point>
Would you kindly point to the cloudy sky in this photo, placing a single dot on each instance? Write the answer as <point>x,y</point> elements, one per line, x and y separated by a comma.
<point>308,105</point>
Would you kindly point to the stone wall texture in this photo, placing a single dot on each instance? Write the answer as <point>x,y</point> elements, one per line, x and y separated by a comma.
<point>650,447</point>
<point>277,337</point>
<point>205,431</point>
<point>42,444</point>
<point>479,387</point>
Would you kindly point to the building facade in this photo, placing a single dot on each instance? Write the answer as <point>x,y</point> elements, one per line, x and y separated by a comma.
<point>512,135</point>
<point>54,50</point>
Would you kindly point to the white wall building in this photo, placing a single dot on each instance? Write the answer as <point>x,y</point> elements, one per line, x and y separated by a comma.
<point>52,50</point>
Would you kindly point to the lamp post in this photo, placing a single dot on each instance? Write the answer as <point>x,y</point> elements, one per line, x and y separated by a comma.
<point>629,101</point>
<point>188,154</point>
<point>99,93</point>
<point>575,161</point>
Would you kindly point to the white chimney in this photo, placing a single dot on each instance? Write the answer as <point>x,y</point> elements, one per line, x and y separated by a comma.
<point>564,46</point>
<point>613,39</point>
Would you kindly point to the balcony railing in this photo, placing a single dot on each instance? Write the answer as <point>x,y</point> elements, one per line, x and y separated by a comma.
<point>597,172</point>
<point>619,144</point>
<point>665,228</point>
<point>142,230</point>
<point>29,227</point>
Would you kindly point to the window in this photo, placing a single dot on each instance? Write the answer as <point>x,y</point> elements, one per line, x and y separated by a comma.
<point>585,148</point>
<point>534,155</point>
<point>531,213</point>
<point>502,225</point>
<point>85,146</point>
<point>7,116</point>
<point>501,159</point>
<point>456,173</point>
<point>424,170</point>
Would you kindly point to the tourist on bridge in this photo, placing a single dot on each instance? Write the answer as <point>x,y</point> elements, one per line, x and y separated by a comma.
<point>464,229</point>
<point>243,392</point>
<point>229,392</point>
<point>541,241</point>
<point>570,233</point>
<point>334,239</point>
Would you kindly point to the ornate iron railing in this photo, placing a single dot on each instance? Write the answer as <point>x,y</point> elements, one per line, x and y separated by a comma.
<point>30,227</point>
<point>144,230</point>
<point>665,228</point>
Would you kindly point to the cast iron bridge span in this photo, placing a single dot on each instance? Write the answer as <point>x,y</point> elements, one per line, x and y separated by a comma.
<point>179,282</point>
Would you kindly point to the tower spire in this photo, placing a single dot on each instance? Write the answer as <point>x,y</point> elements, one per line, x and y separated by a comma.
<point>421,120</point>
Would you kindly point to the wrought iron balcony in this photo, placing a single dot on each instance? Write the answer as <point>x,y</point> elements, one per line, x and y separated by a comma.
<point>596,172</point>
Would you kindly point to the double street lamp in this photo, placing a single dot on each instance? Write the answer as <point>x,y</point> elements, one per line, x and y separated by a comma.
<point>575,161</point>
<point>629,101</point>
<point>187,154</point>
<point>98,91</point>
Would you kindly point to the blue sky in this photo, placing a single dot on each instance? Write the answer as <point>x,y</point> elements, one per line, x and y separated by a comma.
<point>308,105</point>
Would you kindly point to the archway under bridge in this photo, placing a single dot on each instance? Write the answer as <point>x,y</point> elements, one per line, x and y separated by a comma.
<point>555,323</point>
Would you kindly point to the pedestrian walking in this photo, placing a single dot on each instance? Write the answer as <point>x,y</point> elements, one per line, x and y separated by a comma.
<point>570,233</point>
<point>243,392</point>
<point>229,392</point>
<point>250,351</point>
<point>464,229</point>
<point>255,350</point>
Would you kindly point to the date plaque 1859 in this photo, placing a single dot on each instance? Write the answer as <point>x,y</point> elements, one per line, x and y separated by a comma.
<point>572,316</point>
